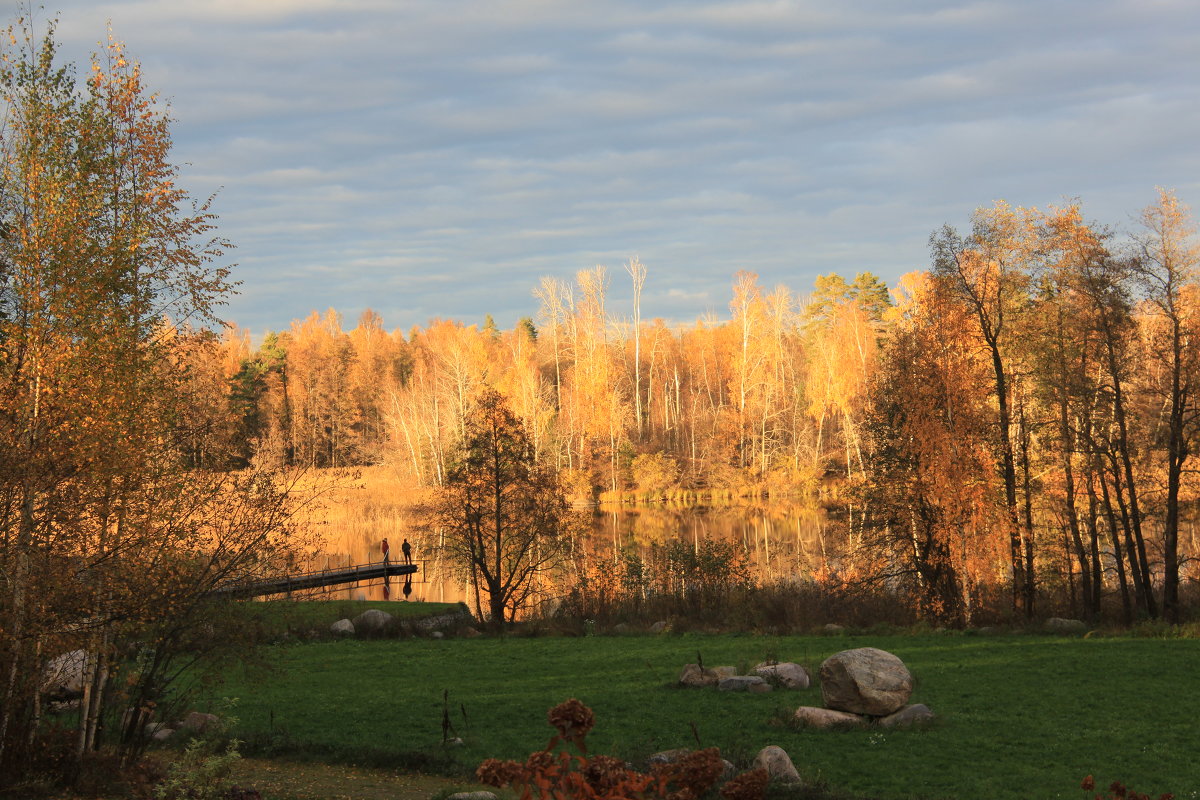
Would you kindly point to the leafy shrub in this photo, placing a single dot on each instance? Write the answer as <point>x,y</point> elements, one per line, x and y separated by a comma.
<point>1118,791</point>
<point>547,775</point>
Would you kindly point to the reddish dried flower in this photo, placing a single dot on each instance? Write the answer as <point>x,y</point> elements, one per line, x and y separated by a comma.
<point>750,785</point>
<point>494,772</point>
<point>697,771</point>
<point>572,719</point>
<point>1117,788</point>
<point>1166,796</point>
<point>540,761</point>
<point>604,772</point>
<point>1088,783</point>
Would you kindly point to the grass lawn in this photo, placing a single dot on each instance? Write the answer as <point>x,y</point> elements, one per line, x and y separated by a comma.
<point>1020,716</point>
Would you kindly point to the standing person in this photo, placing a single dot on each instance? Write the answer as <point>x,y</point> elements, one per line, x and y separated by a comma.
<point>385,548</point>
<point>406,549</point>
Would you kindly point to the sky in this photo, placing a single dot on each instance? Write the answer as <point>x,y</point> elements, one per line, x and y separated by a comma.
<point>436,158</point>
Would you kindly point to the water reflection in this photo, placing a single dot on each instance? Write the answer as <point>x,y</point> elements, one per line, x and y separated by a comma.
<point>783,540</point>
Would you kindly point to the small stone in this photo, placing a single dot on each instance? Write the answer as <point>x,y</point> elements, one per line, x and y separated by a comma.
<point>833,629</point>
<point>777,763</point>
<point>343,627</point>
<point>907,716</point>
<point>660,626</point>
<point>671,756</point>
<point>621,627</point>
<point>695,675</point>
<point>199,722</point>
<point>162,734</point>
<point>438,635</point>
<point>152,728</point>
<point>787,674</point>
<point>740,683</point>
<point>1068,627</point>
<point>826,718</point>
<point>667,756</point>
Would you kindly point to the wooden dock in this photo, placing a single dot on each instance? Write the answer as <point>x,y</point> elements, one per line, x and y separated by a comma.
<point>317,579</point>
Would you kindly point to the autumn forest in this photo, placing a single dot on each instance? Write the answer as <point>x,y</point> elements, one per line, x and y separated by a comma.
<point>1019,415</point>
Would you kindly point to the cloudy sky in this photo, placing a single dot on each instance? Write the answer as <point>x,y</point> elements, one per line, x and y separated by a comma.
<point>436,158</point>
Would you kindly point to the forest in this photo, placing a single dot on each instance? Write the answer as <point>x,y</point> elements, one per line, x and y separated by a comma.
<point>1018,416</point>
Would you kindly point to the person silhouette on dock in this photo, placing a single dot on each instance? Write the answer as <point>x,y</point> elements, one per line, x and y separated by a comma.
<point>406,549</point>
<point>385,548</point>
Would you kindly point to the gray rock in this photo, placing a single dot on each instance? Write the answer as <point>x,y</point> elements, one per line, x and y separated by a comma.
<point>63,675</point>
<point>437,635</point>
<point>343,627</point>
<point>787,674</point>
<point>865,680</point>
<point>162,734</point>
<point>725,672</point>
<point>833,629</point>
<point>152,729</point>
<point>1069,627</point>
<point>907,716</point>
<point>741,683</point>
<point>695,675</point>
<point>812,717</point>
<point>372,621</point>
<point>621,627</point>
<point>443,620</point>
<point>667,756</point>
<point>660,626</point>
<point>777,763</point>
<point>472,796</point>
<point>199,722</point>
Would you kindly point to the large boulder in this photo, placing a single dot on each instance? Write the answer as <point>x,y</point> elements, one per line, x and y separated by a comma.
<point>865,680</point>
<point>343,627</point>
<point>813,717</point>
<point>372,621</point>
<point>63,675</point>
<point>787,674</point>
<point>777,763</point>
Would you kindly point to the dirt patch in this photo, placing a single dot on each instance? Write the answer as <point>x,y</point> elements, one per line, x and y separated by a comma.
<point>286,780</point>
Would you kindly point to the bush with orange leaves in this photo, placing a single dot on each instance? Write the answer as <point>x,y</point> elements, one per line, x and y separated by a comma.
<point>550,775</point>
<point>1118,791</point>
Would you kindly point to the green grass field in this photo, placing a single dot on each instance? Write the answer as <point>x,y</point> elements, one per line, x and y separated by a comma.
<point>1020,716</point>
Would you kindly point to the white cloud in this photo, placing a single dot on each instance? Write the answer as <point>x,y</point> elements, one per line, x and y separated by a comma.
<point>435,157</point>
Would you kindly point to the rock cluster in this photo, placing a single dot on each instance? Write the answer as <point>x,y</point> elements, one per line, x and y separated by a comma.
<point>861,686</point>
<point>763,678</point>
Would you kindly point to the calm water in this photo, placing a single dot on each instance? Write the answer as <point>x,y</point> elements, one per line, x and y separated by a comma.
<point>782,540</point>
